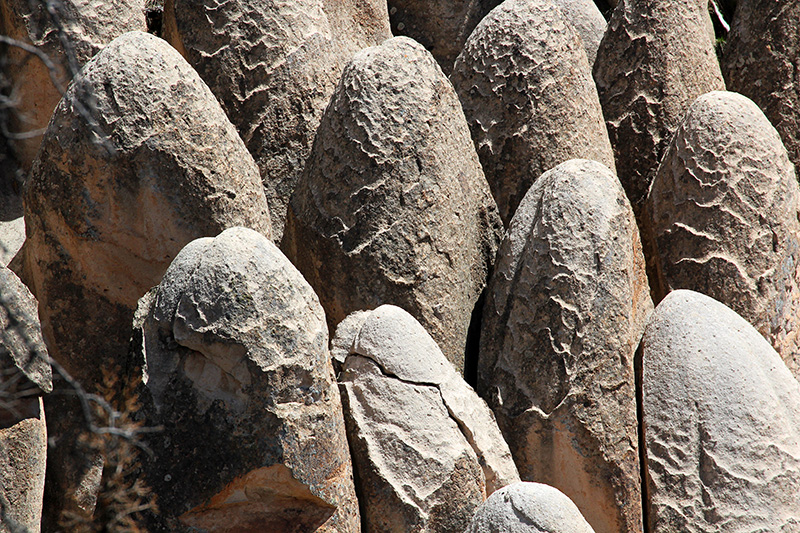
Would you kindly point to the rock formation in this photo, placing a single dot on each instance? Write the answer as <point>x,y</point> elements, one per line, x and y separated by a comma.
<point>721,422</point>
<point>273,66</point>
<point>656,57</point>
<point>529,508</point>
<point>723,218</point>
<point>564,313</point>
<point>393,206</point>
<point>587,20</point>
<point>528,95</point>
<point>236,362</point>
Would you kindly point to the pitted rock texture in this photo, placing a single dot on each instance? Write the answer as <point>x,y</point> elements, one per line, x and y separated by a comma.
<point>722,218</point>
<point>564,313</point>
<point>655,59</point>
<point>105,219</point>
<point>529,508</point>
<point>393,206</point>
<point>441,26</point>
<point>721,422</point>
<point>587,20</point>
<point>236,361</point>
<point>528,95</point>
<point>273,66</point>
<point>426,448</point>
<point>88,25</point>
<point>761,61</point>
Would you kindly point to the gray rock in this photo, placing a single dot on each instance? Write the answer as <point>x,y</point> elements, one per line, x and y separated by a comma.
<point>529,508</point>
<point>761,62</point>
<point>722,218</point>
<point>528,95</point>
<point>393,206</point>
<point>587,20</point>
<point>441,26</point>
<point>12,235</point>
<point>236,357</point>
<point>426,449</point>
<point>656,57</point>
<point>273,66</point>
<point>564,313</point>
<point>721,422</point>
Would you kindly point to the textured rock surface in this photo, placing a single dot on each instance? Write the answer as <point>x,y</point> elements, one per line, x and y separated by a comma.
<point>722,215</point>
<point>388,357</point>
<point>721,420</point>
<point>88,25</point>
<point>587,20</point>
<point>441,26</point>
<point>238,368</point>
<point>656,57</point>
<point>393,206</point>
<point>273,66</point>
<point>564,314</point>
<point>528,95</point>
<point>12,235</point>
<point>426,449</point>
<point>761,62</point>
<point>529,508</point>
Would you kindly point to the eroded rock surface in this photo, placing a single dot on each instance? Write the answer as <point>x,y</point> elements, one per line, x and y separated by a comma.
<point>528,95</point>
<point>426,448</point>
<point>656,58</point>
<point>393,206</point>
<point>273,66</point>
<point>587,20</point>
<point>721,422</point>
<point>236,357</point>
<point>723,218</point>
<point>529,508</point>
<point>564,313</point>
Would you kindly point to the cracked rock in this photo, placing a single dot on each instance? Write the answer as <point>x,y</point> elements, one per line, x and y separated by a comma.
<point>529,508</point>
<point>722,218</point>
<point>273,67</point>
<point>564,313</point>
<point>721,422</point>
<point>527,92</point>
<point>655,58</point>
<point>393,206</point>
<point>237,366</point>
<point>426,448</point>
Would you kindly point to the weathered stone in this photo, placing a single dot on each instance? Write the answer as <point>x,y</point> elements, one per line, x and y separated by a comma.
<point>12,235</point>
<point>441,26</point>
<point>236,362</point>
<point>529,508</point>
<point>400,357</point>
<point>721,422</point>
<point>656,57</point>
<point>86,25</point>
<point>426,449</point>
<point>587,20</point>
<point>528,95</point>
<point>761,62</point>
<point>393,206</point>
<point>564,313</point>
<point>722,218</point>
<point>273,66</point>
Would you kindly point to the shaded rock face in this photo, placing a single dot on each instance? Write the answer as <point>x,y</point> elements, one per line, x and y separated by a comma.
<point>12,235</point>
<point>564,313</point>
<point>722,218</point>
<point>236,363</point>
<point>441,26</point>
<point>273,66</point>
<point>393,206</point>
<point>426,448</point>
<point>528,95</point>
<point>721,422</point>
<point>88,25</point>
<point>656,58</point>
<point>588,22</point>
<point>767,74</point>
<point>529,508</point>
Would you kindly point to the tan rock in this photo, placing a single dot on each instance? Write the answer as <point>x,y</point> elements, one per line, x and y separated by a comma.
<point>722,218</point>
<point>564,313</point>
<point>392,206</point>
<point>588,21</point>
<point>527,92</point>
